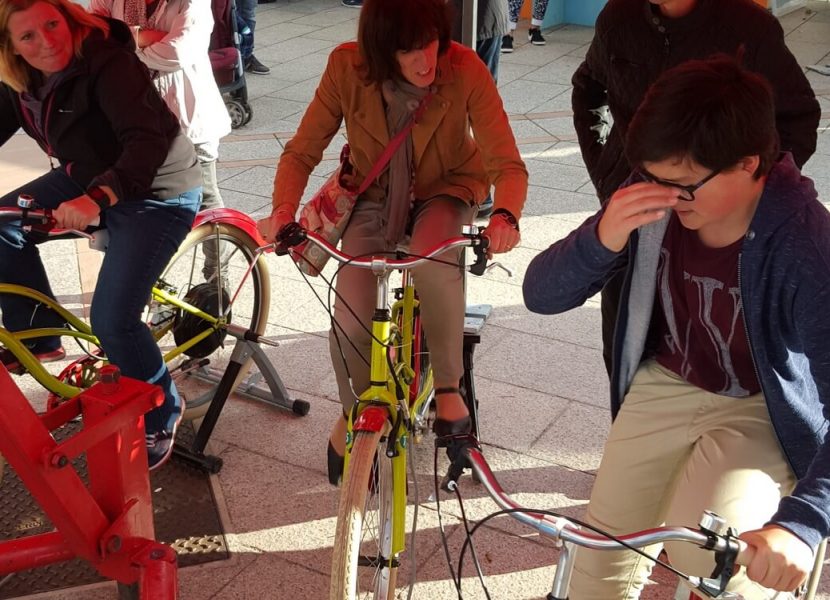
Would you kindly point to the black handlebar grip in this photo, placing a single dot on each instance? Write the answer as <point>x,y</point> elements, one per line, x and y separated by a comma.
<point>291,234</point>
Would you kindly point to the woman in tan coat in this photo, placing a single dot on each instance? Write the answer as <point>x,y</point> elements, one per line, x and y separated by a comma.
<point>430,189</point>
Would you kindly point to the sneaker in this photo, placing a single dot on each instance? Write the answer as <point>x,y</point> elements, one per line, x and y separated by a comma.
<point>352,3</point>
<point>160,443</point>
<point>252,65</point>
<point>13,365</point>
<point>507,44</point>
<point>534,36</point>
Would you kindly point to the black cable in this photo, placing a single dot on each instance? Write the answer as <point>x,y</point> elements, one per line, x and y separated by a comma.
<point>331,315</point>
<point>456,582</point>
<point>336,293</point>
<point>470,540</point>
<point>587,526</point>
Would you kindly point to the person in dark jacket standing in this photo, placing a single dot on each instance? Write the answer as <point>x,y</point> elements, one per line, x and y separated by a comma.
<point>721,376</point>
<point>634,42</point>
<point>73,82</point>
<point>491,25</point>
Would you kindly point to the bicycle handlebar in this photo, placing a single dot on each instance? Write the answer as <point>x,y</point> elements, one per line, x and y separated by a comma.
<point>567,531</point>
<point>41,220</point>
<point>293,235</point>
<point>711,535</point>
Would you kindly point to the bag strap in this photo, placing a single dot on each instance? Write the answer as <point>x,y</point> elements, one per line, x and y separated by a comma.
<point>394,144</point>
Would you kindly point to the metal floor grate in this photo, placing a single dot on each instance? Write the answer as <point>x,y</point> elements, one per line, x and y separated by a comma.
<point>185,513</point>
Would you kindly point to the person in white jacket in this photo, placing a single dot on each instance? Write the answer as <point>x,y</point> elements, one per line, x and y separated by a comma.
<point>172,39</point>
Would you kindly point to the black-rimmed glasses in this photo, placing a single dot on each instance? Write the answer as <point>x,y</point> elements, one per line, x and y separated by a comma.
<point>687,192</point>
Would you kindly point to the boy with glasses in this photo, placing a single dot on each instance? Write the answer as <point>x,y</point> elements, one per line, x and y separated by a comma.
<point>721,372</point>
<point>634,42</point>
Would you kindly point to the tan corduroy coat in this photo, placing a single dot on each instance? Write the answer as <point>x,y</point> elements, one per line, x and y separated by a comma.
<point>448,160</point>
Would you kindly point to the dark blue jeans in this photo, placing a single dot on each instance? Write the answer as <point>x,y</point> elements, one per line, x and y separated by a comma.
<point>246,24</point>
<point>143,236</point>
<point>489,50</point>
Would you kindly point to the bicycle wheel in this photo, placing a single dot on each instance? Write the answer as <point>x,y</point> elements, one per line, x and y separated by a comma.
<point>362,543</point>
<point>420,362</point>
<point>421,388</point>
<point>211,272</point>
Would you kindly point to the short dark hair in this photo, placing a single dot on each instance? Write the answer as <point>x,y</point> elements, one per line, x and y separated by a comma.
<point>711,111</point>
<point>387,26</point>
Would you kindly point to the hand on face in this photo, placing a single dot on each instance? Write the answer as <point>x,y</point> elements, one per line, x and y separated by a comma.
<point>630,208</point>
<point>78,214</point>
<point>781,561</point>
<point>40,35</point>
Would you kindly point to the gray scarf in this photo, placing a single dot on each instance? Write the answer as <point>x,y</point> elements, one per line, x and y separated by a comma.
<point>402,99</point>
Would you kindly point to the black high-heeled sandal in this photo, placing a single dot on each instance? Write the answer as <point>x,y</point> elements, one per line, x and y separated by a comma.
<point>335,465</point>
<point>442,427</point>
<point>335,462</point>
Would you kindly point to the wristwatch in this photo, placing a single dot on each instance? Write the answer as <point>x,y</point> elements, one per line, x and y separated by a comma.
<point>99,197</point>
<point>508,216</point>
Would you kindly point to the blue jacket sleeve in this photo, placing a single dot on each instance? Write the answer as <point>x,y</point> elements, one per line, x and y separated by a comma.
<point>806,511</point>
<point>569,272</point>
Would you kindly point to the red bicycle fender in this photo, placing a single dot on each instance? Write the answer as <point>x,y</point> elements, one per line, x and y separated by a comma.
<point>233,217</point>
<point>372,418</point>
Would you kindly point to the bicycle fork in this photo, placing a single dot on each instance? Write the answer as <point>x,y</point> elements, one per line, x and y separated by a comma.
<point>381,408</point>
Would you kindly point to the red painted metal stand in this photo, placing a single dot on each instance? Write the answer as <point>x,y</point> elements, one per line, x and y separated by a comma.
<point>109,524</point>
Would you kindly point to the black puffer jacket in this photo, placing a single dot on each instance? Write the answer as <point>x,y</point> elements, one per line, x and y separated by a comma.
<point>633,43</point>
<point>106,124</point>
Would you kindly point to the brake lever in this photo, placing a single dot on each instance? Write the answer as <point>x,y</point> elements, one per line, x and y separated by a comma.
<point>725,566</point>
<point>455,445</point>
<point>495,265</point>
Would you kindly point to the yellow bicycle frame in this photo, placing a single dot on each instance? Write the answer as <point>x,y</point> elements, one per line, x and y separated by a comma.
<point>381,393</point>
<point>13,341</point>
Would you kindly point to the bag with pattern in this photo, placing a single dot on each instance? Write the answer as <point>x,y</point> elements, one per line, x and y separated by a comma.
<point>327,213</point>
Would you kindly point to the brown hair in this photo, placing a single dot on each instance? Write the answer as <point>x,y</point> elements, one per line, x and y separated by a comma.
<point>713,111</point>
<point>387,26</point>
<point>14,70</point>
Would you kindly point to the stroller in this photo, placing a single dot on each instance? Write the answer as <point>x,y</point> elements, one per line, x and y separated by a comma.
<point>226,61</point>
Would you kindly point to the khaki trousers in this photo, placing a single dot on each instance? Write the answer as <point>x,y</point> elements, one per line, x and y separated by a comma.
<point>440,288</point>
<point>674,451</point>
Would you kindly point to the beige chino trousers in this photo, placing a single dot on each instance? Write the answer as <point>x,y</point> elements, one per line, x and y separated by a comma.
<point>440,288</point>
<point>674,451</point>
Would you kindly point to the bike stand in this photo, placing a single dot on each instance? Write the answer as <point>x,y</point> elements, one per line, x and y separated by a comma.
<point>474,319</point>
<point>244,350</point>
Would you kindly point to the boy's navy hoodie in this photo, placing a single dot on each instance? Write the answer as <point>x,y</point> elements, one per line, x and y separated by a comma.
<point>784,276</point>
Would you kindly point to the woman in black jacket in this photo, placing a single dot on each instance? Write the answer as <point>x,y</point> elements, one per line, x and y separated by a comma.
<point>72,81</point>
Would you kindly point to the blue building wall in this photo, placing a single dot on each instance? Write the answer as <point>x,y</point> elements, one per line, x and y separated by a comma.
<point>577,12</point>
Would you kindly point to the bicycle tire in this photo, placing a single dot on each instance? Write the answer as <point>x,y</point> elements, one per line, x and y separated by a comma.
<point>364,525</point>
<point>190,267</point>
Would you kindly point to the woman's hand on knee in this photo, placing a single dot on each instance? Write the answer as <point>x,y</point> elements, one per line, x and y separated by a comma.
<point>781,560</point>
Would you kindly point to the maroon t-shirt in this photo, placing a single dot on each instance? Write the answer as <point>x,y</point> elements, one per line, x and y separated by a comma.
<point>702,333</point>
